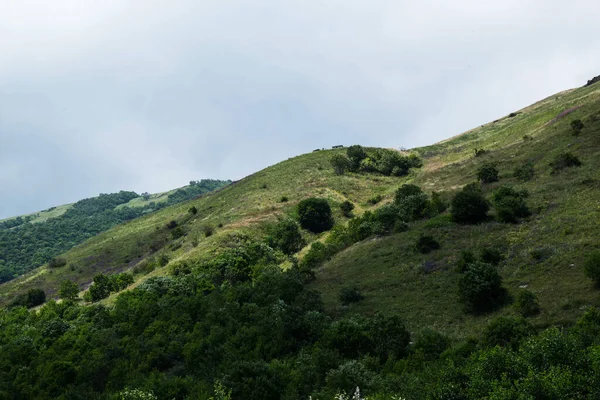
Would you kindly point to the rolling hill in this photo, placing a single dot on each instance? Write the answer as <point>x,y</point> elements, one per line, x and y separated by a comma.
<point>201,310</point>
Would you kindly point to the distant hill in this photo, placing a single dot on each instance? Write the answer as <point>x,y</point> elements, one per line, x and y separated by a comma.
<point>27,242</point>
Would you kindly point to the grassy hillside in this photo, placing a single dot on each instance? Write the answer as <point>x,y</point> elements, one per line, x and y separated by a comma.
<point>215,310</point>
<point>387,270</point>
<point>545,253</point>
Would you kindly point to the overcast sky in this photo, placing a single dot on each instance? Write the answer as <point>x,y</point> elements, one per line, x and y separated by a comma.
<point>103,95</point>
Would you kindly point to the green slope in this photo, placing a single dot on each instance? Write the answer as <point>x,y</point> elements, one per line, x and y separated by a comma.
<point>389,273</point>
<point>564,228</point>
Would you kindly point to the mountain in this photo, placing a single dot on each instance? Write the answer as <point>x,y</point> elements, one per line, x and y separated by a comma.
<point>31,240</point>
<point>464,269</point>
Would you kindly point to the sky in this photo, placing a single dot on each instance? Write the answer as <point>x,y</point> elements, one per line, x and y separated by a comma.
<point>146,95</point>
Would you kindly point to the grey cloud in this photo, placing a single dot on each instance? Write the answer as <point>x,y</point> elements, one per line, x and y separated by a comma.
<point>147,95</point>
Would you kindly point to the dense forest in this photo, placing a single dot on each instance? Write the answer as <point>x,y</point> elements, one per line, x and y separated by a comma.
<point>25,245</point>
<point>240,327</point>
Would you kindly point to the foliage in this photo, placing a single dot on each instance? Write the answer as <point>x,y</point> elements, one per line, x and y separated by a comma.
<point>564,160</point>
<point>57,262</point>
<point>426,244</point>
<point>68,290</point>
<point>465,259</point>
<point>525,172</point>
<point>314,214</point>
<point>340,164</point>
<point>491,256</point>
<point>488,173</point>
<point>577,126</point>
<point>350,295</point>
<point>286,236</point>
<point>33,298</point>
<point>25,245</point>
<point>346,207</point>
<point>510,205</point>
<point>431,344</point>
<point>356,154</point>
<point>469,206</point>
<point>480,287</point>
<point>506,332</point>
<point>526,303</point>
<point>592,267</point>
<point>375,199</point>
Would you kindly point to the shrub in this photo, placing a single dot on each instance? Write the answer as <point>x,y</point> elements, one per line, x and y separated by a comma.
<point>375,199</point>
<point>564,160</point>
<point>577,126</point>
<point>193,210</point>
<point>57,262</point>
<point>286,236</point>
<point>480,152</point>
<point>592,267</point>
<point>208,230</point>
<point>386,216</point>
<point>347,208</point>
<point>491,256</point>
<point>488,173</point>
<point>469,206</point>
<point>426,244</point>
<point>415,207</point>
<point>437,203</point>
<point>315,215</point>
<point>465,259</point>
<point>527,304</point>
<point>389,336</point>
<point>431,344</point>
<point>177,232</point>
<point>506,332</point>
<point>316,255</point>
<point>405,191</point>
<point>480,287</point>
<point>33,297</point>
<point>509,204</point>
<point>68,290</point>
<point>340,164</point>
<point>350,295</point>
<point>283,199</point>
<point>525,172</point>
<point>171,224</point>
<point>356,154</point>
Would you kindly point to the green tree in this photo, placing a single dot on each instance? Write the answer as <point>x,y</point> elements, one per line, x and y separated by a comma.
<point>480,287</point>
<point>286,236</point>
<point>577,126</point>
<point>488,173</point>
<point>347,208</point>
<point>340,163</point>
<point>101,287</point>
<point>510,205</point>
<point>68,290</point>
<point>315,215</point>
<point>356,154</point>
<point>469,206</point>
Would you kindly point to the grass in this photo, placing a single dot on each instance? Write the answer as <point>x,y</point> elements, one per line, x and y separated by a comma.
<point>423,288</point>
<point>544,252</point>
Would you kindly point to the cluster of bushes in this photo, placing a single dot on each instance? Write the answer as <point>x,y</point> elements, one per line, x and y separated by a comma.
<point>32,298</point>
<point>384,161</point>
<point>238,326</point>
<point>104,285</point>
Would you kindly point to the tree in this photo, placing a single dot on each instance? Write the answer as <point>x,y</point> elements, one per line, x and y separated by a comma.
<point>355,154</point>
<point>469,206</point>
<point>527,303</point>
<point>193,210</point>
<point>350,295</point>
<point>101,287</point>
<point>405,191</point>
<point>340,163</point>
<point>286,236</point>
<point>315,215</point>
<point>592,267</point>
<point>389,336</point>
<point>68,290</point>
<point>488,173</point>
<point>509,204</point>
<point>480,287</point>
